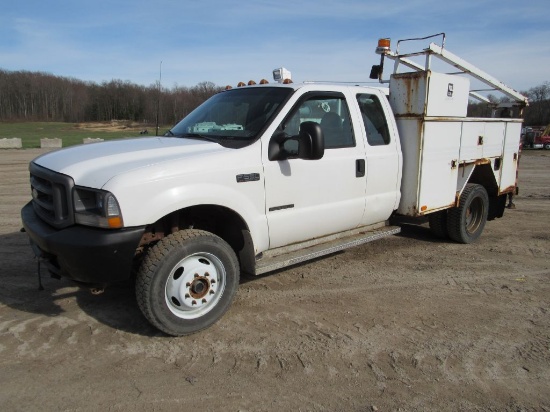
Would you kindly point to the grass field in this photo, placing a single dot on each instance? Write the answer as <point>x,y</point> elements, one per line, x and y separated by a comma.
<point>71,134</point>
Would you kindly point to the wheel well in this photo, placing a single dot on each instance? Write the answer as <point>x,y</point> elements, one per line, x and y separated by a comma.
<point>484,176</point>
<point>219,220</point>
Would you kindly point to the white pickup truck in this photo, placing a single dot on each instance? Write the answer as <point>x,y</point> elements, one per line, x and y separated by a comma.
<point>265,176</point>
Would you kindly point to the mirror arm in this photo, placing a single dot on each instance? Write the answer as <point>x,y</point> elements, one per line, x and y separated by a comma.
<point>275,149</point>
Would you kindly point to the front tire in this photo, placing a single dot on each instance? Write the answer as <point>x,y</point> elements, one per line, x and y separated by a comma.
<point>187,281</point>
<point>466,222</point>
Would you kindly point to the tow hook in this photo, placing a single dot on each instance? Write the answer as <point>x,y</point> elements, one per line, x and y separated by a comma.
<point>97,290</point>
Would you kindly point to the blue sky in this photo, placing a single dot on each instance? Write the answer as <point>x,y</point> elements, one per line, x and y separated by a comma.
<point>230,41</point>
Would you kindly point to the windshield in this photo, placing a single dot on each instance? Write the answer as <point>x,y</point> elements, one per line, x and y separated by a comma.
<point>236,114</point>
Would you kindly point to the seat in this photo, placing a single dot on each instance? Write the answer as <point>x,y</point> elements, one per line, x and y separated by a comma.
<point>331,124</point>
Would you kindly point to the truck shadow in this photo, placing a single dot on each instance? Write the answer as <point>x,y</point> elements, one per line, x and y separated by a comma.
<point>116,307</point>
<point>417,232</point>
<point>415,228</point>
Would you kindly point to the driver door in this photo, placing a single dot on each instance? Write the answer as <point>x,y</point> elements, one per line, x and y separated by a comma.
<point>306,199</point>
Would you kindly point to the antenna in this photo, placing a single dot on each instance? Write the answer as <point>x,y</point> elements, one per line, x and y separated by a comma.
<point>158,99</point>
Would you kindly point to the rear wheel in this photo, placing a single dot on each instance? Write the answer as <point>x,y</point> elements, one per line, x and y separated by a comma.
<point>466,222</point>
<point>438,224</point>
<point>187,281</point>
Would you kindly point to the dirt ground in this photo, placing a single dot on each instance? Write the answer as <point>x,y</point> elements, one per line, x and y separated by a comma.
<point>408,323</point>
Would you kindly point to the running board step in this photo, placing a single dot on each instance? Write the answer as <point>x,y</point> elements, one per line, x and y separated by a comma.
<point>269,264</point>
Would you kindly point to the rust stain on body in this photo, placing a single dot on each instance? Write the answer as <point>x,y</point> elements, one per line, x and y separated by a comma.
<point>509,189</point>
<point>483,161</point>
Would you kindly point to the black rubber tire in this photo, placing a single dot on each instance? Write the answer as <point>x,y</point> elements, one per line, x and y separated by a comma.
<point>162,268</point>
<point>438,224</point>
<point>466,222</point>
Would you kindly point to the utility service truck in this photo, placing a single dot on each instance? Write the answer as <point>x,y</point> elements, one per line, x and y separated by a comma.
<point>264,176</point>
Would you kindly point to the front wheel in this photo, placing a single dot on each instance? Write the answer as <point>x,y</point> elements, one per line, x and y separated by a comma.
<point>547,146</point>
<point>187,281</point>
<point>466,222</point>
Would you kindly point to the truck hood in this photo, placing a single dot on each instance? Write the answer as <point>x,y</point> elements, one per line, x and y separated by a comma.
<point>93,165</point>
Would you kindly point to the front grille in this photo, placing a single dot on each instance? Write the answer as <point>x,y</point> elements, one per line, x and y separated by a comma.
<point>51,196</point>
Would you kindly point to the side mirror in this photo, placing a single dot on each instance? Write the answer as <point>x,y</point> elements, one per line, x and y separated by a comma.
<point>311,141</point>
<point>308,145</point>
<point>375,72</point>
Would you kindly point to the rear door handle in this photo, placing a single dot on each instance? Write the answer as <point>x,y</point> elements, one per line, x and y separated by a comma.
<point>360,168</point>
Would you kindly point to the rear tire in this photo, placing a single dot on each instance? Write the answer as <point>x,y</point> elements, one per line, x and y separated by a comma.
<point>438,224</point>
<point>187,281</point>
<point>466,222</point>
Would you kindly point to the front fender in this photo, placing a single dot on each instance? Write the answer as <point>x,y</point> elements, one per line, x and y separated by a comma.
<point>148,202</point>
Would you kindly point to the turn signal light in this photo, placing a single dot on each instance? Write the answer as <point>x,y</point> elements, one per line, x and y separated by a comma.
<point>114,222</point>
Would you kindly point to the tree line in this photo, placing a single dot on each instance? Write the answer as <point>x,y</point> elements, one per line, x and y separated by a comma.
<point>38,96</point>
<point>536,114</point>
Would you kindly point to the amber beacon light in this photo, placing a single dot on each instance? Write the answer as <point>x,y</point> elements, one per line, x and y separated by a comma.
<point>383,46</point>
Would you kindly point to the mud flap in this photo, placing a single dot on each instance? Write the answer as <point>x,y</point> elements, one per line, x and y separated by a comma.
<point>497,204</point>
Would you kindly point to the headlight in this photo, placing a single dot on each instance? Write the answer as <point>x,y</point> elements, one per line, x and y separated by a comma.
<point>97,208</point>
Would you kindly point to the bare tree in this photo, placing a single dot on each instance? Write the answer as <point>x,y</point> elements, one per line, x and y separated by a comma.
<point>37,96</point>
<point>538,113</point>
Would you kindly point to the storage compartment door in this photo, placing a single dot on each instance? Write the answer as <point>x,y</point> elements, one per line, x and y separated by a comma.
<point>447,95</point>
<point>493,140</point>
<point>439,165</point>
<point>510,162</point>
<point>471,147</point>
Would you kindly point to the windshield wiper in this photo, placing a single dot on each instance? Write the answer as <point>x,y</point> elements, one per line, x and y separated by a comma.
<point>215,139</point>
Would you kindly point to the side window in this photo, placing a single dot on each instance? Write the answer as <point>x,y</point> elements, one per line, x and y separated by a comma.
<point>374,119</point>
<point>331,113</point>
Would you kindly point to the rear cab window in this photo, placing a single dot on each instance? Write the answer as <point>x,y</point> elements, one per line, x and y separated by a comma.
<point>374,119</point>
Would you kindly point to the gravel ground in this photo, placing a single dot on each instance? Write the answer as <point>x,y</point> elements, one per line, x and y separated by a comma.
<point>406,323</point>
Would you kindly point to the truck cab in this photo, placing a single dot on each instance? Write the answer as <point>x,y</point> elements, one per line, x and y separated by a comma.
<point>357,180</point>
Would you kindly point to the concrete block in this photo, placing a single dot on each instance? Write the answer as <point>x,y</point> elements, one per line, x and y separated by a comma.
<point>13,143</point>
<point>87,140</point>
<point>55,142</point>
